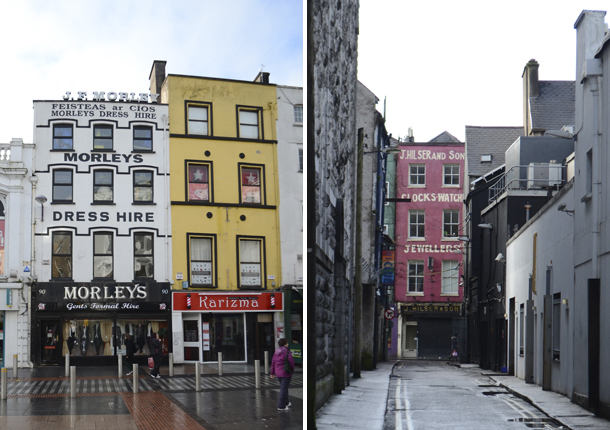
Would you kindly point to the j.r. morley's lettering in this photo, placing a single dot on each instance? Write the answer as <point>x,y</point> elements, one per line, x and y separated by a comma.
<point>105,293</point>
<point>113,96</point>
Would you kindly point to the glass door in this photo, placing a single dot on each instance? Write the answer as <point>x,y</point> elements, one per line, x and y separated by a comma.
<point>50,348</point>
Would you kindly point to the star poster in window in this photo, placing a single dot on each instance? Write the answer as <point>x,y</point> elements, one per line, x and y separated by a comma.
<point>250,186</point>
<point>198,183</point>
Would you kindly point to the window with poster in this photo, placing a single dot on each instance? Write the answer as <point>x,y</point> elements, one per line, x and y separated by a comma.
<point>252,184</point>
<point>198,181</point>
<point>251,261</point>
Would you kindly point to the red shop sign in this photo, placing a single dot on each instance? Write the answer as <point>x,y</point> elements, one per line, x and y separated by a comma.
<point>228,302</point>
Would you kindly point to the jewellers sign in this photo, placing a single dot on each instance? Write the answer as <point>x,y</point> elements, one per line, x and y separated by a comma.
<point>431,307</point>
<point>147,296</point>
<point>228,302</point>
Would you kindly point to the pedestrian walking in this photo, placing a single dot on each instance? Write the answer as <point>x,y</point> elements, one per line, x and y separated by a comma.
<point>282,366</point>
<point>455,347</point>
<point>129,352</point>
<point>156,352</point>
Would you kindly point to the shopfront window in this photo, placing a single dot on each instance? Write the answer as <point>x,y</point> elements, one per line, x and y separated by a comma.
<point>92,337</point>
<point>223,333</point>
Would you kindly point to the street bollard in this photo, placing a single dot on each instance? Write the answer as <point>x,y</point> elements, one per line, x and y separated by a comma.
<point>3,383</point>
<point>220,364</point>
<point>72,381</point>
<point>197,376</point>
<point>67,365</point>
<point>15,366</point>
<point>136,380</point>
<point>266,362</point>
<point>171,364</point>
<point>257,373</point>
<point>120,356</point>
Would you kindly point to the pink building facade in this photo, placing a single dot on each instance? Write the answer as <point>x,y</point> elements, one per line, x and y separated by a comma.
<point>429,255</point>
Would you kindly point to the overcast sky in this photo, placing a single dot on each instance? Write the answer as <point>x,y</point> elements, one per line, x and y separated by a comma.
<point>446,64</point>
<point>50,47</point>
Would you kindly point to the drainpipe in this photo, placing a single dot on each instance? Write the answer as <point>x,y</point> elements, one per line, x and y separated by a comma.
<point>168,262</point>
<point>596,88</point>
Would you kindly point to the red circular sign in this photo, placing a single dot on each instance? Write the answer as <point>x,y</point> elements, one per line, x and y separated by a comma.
<point>389,314</point>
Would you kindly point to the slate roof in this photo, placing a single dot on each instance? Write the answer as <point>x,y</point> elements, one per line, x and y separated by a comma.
<point>492,141</point>
<point>445,137</point>
<point>554,106</point>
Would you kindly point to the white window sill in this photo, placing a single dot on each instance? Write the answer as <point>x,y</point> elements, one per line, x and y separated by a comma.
<point>450,294</point>
<point>415,294</point>
<point>416,239</point>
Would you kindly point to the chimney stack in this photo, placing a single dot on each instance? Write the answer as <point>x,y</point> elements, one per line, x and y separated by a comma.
<point>530,78</point>
<point>262,77</point>
<point>157,76</point>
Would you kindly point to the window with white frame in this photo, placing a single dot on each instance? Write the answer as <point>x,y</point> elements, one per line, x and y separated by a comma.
<point>451,174</point>
<point>300,159</point>
<point>417,174</point>
<point>298,114</point>
<point>416,277</point>
<point>451,277</point>
<point>417,224</point>
<point>143,259</point>
<point>201,253</point>
<point>102,256</point>
<point>250,263</point>
<point>198,120</point>
<point>451,223</point>
<point>249,123</point>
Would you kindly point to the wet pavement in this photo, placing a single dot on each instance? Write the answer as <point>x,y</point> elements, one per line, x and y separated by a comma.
<point>40,399</point>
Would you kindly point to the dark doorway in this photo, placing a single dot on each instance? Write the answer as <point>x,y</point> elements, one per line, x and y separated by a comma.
<point>50,346</point>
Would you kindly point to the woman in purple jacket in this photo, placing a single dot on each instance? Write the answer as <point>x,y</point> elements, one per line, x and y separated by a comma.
<point>277,369</point>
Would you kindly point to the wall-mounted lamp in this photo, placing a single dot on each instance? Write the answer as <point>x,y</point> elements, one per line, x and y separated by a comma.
<point>562,208</point>
<point>500,258</point>
<point>486,226</point>
<point>565,302</point>
<point>42,200</point>
<point>464,239</point>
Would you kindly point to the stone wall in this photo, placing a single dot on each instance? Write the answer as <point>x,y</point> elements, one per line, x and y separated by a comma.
<point>333,63</point>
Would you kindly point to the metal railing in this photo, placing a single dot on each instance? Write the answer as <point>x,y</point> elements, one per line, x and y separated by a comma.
<point>535,176</point>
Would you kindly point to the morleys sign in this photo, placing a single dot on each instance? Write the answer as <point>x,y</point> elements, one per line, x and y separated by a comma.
<point>113,96</point>
<point>228,302</point>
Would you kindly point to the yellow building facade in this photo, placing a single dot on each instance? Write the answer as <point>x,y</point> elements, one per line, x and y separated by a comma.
<point>224,216</point>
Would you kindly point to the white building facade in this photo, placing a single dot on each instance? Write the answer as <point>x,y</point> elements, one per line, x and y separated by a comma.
<point>102,247</point>
<point>291,165</point>
<point>15,251</point>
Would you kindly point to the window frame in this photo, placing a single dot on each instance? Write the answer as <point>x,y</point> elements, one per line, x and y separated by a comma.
<point>63,184</point>
<point>417,277</point>
<point>450,275</point>
<point>103,138</point>
<point>135,138</point>
<point>453,225</point>
<point>259,115</point>
<point>451,175</point>
<point>418,225</point>
<point>301,161</point>
<point>187,180</point>
<point>556,327</point>
<point>96,254</point>
<point>262,183</point>
<point>296,115</point>
<point>418,175</point>
<point>151,186</point>
<point>71,138</point>
<point>55,255</point>
<point>199,105</point>
<point>111,186</point>
<point>261,263</point>
<point>151,254</point>
<point>213,262</point>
